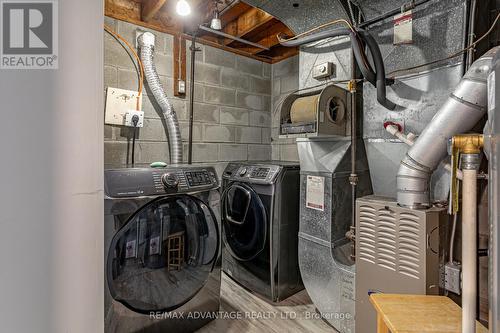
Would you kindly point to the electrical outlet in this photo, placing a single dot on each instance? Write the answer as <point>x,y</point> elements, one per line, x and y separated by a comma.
<point>118,103</point>
<point>452,277</point>
<point>130,114</point>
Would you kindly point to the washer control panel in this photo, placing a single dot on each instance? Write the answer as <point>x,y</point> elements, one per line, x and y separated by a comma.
<point>198,178</point>
<point>136,182</point>
<point>257,173</point>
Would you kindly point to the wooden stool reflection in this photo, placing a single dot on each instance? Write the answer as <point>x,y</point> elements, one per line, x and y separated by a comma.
<point>175,251</point>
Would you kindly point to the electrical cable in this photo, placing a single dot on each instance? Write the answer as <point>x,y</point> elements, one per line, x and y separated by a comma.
<point>351,12</point>
<point>410,5</point>
<point>136,56</point>
<point>135,120</point>
<point>133,147</point>
<point>282,40</point>
<point>462,51</point>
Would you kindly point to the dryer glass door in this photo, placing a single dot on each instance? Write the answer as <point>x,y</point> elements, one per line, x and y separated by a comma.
<point>163,255</point>
<point>244,222</point>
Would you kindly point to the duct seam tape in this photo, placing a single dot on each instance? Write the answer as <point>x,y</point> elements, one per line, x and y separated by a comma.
<point>491,91</point>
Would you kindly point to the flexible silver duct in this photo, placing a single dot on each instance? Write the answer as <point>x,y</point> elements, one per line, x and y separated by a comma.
<point>146,44</point>
<point>463,109</point>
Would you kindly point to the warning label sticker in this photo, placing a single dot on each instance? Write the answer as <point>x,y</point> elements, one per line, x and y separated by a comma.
<point>403,32</point>
<point>315,193</point>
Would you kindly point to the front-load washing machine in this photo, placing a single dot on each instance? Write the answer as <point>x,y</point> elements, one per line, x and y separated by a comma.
<point>260,222</point>
<point>162,249</point>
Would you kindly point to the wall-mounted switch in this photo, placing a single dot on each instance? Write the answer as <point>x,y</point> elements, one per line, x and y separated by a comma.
<point>182,87</point>
<point>323,70</point>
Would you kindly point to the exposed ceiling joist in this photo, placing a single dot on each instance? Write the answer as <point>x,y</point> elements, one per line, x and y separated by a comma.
<point>233,12</point>
<point>247,22</point>
<point>239,19</point>
<point>150,8</point>
<point>267,38</point>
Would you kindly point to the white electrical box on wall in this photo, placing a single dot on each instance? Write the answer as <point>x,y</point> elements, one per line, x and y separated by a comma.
<point>118,103</point>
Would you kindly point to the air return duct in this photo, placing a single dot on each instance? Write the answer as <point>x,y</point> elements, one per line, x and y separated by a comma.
<point>463,109</point>
<point>146,44</point>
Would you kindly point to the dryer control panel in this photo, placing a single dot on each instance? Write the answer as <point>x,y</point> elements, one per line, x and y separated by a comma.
<point>137,182</point>
<point>255,173</point>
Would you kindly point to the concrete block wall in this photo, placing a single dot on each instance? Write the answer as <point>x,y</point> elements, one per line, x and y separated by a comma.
<point>232,111</point>
<point>285,80</point>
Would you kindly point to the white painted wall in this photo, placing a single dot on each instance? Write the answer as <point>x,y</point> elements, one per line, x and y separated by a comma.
<point>51,187</point>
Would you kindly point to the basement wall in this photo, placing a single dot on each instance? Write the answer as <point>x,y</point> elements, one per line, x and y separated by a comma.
<point>232,112</point>
<point>285,80</point>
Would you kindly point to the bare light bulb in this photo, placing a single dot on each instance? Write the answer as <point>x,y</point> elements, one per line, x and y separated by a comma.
<point>216,23</point>
<point>182,8</point>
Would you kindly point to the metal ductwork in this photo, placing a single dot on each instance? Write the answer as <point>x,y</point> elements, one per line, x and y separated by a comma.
<point>377,78</point>
<point>146,44</point>
<point>463,109</point>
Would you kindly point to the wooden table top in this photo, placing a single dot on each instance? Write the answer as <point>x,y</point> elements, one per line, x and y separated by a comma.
<point>420,313</point>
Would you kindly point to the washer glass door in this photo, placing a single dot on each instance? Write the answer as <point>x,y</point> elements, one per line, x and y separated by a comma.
<point>163,255</point>
<point>244,221</point>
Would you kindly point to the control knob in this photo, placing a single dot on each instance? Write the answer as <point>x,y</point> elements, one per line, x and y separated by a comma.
<point>243,171</point>
<point>170,180</point>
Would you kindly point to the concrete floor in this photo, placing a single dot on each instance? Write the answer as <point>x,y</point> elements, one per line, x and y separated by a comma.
<point>247,312</point>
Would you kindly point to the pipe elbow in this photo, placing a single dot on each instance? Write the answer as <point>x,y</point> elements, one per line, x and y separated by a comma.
<point>463,109</point>
<point>413,184</point>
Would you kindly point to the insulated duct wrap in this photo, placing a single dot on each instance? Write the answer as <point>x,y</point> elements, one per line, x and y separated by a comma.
<point>146,44</point>
<point>463,109</point>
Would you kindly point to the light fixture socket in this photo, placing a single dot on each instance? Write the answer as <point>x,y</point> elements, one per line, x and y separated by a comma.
<point>216,23</point>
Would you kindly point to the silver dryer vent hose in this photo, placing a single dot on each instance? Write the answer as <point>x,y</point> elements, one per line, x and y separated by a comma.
<point>461,111</point>
<point>146,43</point>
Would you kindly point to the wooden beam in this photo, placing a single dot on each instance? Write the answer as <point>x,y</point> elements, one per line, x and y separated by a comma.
<point>246,23</point>
<point>166,22</point>
<point>233,12</point>
<point>280,53</point>
<point>130,11</point>
<point>266,38</point>
<point>150,8</point>
<point>179,56</point>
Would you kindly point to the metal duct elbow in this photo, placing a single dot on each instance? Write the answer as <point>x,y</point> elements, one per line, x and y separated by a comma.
<point>463,109</point>
<point>146,44</point>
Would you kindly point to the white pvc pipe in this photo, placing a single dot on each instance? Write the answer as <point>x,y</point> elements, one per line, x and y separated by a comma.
<point>410,140</point>
<point>400,135</point>
<point>469,250</point>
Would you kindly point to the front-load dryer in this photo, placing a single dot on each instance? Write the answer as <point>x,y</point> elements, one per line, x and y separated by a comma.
<point>260,219</point>
<point>162,249</point>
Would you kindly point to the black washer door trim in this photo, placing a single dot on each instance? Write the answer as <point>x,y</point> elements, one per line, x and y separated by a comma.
<point>255,219</point>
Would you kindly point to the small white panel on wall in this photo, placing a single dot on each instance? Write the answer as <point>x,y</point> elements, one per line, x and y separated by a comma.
<point>118,103</point>
<point>403,28</point>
